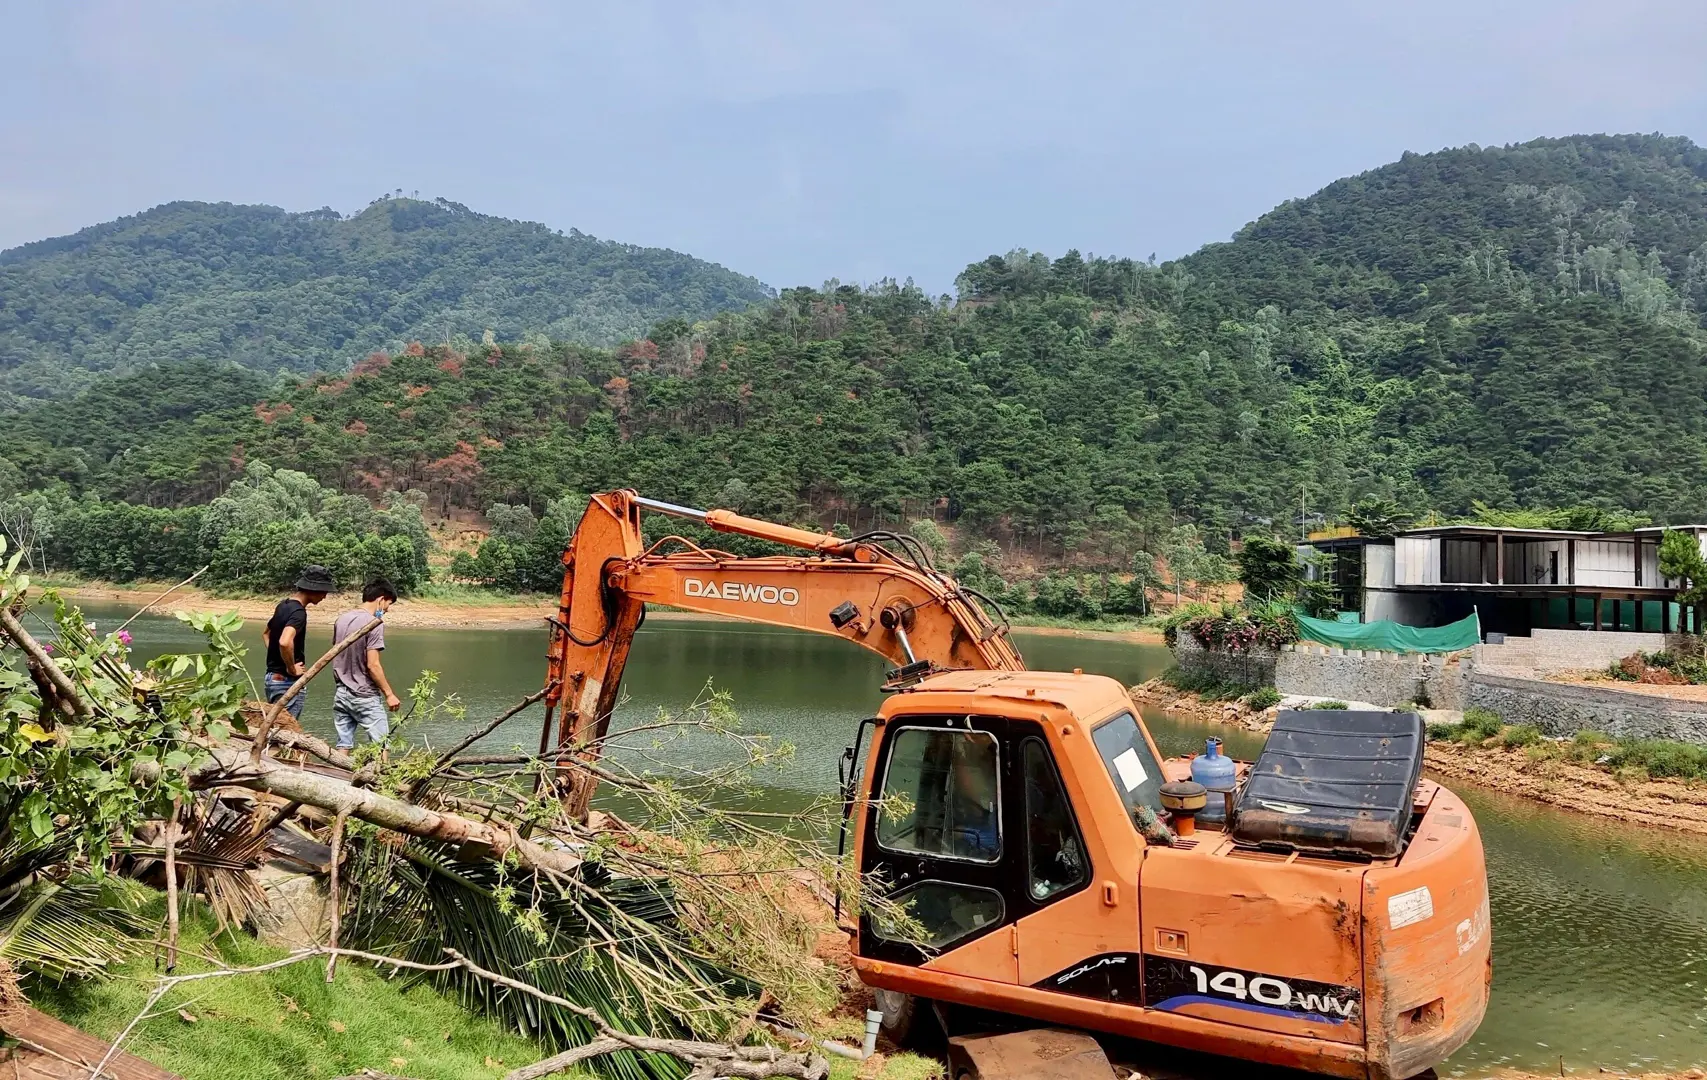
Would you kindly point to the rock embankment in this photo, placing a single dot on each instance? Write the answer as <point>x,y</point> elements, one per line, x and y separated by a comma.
<point>1157,694</point>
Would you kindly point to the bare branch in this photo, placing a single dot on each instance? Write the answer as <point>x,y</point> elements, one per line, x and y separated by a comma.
<point>163,596</point>
<point>171,839</point>
<point>476,736</point>
<point>733,1061</point>
<point>336,899</point>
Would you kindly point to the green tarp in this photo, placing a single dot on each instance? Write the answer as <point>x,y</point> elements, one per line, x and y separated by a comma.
<point>1389,636</point>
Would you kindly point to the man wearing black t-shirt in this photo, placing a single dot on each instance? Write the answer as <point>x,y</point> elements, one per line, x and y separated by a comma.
<point>287,635</point>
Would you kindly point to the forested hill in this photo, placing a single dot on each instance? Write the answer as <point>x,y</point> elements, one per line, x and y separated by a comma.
<point>314,291</point>
<point>1623,216</point>
<point>1517,326</point>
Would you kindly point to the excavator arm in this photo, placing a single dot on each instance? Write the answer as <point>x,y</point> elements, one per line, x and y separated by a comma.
<point>874,590</point>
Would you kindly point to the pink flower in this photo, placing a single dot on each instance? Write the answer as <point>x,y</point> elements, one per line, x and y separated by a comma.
<point>125,638</point>
<point>47,647</point>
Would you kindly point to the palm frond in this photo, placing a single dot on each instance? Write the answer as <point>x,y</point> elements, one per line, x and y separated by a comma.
<point>67,924</point>
<point>218,859</point>
<point>609,944</point>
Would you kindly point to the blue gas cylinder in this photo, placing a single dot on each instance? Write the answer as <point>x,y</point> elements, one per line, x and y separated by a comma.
<point>1216,772</point>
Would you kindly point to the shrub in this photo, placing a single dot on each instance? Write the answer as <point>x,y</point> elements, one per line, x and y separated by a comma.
<point>1520,735</point>
<point>1231,628</point>
<point>1660,758</point>
<point>1481,724</point>
<point>1330,705</point>
<point>1442,732</point>
<point>1266,697</point>
<point>1181,616</point>
<point>1207,687</point>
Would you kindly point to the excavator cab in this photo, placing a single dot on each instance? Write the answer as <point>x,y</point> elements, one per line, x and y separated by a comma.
<point>1015,824</point>
<point>1004,813</point>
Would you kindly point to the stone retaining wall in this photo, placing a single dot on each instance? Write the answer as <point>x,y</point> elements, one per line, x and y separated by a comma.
<point>1545,652</point>
<point>1319,671</point>
<point>1251,669</point>
<point>1379,678</point>
<point>1563,709</point>
<point>1450,682</point>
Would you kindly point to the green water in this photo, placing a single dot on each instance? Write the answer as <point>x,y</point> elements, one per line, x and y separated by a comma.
<point>1600,931</point>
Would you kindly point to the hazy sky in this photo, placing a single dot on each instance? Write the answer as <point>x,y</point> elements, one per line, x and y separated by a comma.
<point>798,142</point>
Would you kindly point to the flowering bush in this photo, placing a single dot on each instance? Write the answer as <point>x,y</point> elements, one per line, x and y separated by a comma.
<point>1237,629</point>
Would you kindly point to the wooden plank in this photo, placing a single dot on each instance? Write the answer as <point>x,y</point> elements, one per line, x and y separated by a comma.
<point>62,1052</point>
<point>287,845</point>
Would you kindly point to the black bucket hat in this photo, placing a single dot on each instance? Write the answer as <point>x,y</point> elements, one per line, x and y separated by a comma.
<point>316,579</point>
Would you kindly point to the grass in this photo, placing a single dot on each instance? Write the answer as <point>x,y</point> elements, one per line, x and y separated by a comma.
<point>898,1067</point>
<point>287,1024</point>
<point>1329,705</point>
<point>1635,759</point>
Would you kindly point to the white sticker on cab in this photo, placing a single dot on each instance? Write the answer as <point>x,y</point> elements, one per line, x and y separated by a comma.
<point>1131,770</point>
<point>1406,908</point>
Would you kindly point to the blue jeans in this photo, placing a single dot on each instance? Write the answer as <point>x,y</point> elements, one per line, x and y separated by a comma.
<point>351,710</point>
<point>276,684</point>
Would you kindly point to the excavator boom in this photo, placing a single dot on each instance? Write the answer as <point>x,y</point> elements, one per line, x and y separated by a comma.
<point>875,591</point>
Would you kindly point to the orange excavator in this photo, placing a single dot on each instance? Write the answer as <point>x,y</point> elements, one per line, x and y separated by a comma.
<point>1051,864</point>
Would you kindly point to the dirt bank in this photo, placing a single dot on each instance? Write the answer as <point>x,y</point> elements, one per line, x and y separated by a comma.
<point>1600,681</point>
<point>1688,1074</point>
<point>1145,636</point>
<point>498,615</point>
<point>1667,804</point>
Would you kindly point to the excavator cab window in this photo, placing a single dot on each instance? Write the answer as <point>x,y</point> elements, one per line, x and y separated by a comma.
<point>942,795</point>
<point>1136,773</point>
<point>1055,857</point>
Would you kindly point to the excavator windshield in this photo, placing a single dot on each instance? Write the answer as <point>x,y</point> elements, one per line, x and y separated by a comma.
<point>1130,761</point>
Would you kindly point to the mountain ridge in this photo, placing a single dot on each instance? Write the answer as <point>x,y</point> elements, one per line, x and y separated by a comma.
<point>276,289</point>
<point>1538,345</point>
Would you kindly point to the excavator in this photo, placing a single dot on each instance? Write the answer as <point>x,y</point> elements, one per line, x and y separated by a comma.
<point>1049,861</point>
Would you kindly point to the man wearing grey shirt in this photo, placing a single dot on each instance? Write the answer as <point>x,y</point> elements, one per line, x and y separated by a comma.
<point>363,696</point>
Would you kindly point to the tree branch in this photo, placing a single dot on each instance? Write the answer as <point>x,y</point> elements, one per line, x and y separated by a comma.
<point>729,1060</point>
<point>38,656</point>
<point>229,766</point>
<point>474,737</point>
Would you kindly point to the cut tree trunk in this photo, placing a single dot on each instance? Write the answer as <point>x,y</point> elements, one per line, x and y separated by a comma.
<point>230,766</point>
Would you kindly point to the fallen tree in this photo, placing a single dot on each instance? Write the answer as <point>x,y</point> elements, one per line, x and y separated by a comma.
<point>665,934</point>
